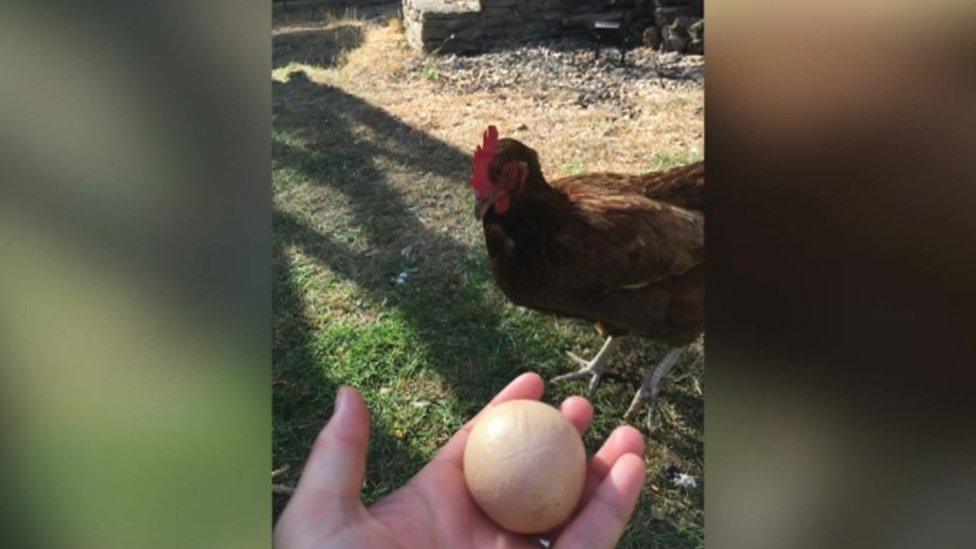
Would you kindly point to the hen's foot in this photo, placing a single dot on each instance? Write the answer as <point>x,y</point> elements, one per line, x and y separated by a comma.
<point>595,368</point>
<point>652,387</point>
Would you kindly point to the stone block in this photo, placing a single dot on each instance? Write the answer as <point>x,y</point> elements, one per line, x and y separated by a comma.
<point>652,37</point>
<point>448,7</point>
<point>684,22</point>
<point>697,30</point>
<point>663,17</point>
<point>469,25</point>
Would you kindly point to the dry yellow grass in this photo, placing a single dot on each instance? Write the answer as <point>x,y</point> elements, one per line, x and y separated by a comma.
<point>567,138</point>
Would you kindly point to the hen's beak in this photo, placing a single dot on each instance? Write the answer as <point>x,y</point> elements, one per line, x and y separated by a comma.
<point>481,206</point>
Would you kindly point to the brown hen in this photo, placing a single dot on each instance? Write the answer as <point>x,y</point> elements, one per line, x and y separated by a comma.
<point>623,251</point>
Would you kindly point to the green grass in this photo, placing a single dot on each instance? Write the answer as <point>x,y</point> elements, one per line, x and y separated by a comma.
<point>430,71</point>
<point>664,161</point>
<point>360,197</point>
<point>575,169</point>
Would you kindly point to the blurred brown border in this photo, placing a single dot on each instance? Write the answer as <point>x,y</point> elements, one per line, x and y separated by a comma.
<point>842,181</point>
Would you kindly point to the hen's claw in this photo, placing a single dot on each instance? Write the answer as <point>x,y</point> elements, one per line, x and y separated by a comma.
<point>577,359</point>
<point>643,397</point>
<point>595,368</point>
<point>652,387</point>
<point>642,394</point>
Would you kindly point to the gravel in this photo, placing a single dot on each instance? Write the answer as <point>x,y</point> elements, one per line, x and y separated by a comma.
<point>568,65</point>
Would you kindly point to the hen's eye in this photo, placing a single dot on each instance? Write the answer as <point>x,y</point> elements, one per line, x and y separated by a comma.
<point>510,172</point>
<point>495,171</point>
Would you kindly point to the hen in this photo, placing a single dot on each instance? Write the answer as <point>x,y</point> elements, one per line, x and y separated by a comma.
<point>626,252</point>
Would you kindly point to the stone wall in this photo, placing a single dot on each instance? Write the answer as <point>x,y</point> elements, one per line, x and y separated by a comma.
<point>471,25</point>
<point>678,25</point>
<point>289,5</point>
<point>474,25</point>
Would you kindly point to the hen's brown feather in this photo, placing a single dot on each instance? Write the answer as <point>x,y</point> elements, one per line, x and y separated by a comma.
<point>682,186</point>
<point>626,252</point>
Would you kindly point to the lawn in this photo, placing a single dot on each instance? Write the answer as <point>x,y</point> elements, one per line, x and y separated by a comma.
<point>380,275</point>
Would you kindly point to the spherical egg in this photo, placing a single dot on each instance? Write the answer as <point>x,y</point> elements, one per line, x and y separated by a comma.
<point>524,464</point>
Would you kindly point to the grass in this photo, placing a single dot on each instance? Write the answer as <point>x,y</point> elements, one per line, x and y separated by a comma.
<point>430,71</point>
<point>370,162</point>
<point>664,161</point>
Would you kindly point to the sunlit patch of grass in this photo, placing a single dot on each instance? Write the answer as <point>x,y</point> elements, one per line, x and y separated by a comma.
<point>395,24</point>
<point>430,71</point>
<point>664,161</point>
<point>576,169</point>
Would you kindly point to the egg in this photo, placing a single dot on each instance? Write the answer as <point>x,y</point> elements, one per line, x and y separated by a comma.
<point>524,464</point>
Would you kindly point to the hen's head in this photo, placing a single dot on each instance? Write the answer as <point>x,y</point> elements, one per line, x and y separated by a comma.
<point>501,170</point>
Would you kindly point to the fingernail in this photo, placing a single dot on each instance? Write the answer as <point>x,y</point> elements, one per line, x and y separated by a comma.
<point>341,401</point>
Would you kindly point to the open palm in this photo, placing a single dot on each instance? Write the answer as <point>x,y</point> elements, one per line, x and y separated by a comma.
<point>435,509</point>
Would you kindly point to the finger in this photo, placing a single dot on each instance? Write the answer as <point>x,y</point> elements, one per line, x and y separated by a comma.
<point>602,521</point>
<point>578,411</point>
<point>336,467</point>
<point>623,440</point>
<point>526,386</point>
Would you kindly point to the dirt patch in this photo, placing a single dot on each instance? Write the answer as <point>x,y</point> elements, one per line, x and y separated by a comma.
<point>571,69</point>
<point>580,113</point>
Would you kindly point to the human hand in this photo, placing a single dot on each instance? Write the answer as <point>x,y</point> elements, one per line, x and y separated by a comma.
<point>434,509</point>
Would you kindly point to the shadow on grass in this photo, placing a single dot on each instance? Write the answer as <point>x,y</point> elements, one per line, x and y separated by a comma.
<point>444,306</point>
<point>444,302</point>
<point>319,47</point>
<point>303,397</point>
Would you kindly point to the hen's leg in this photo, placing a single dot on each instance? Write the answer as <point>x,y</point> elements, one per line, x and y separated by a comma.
<point>595,368</point>
<point>652,384</point>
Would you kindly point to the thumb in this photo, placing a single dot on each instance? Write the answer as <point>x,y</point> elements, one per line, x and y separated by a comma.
<point>333,476</point>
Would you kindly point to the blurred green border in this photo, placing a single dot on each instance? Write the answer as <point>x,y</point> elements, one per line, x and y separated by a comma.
<point>135,225</point>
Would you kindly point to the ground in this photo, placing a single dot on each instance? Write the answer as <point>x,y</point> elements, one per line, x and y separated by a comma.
<point>380,276</point>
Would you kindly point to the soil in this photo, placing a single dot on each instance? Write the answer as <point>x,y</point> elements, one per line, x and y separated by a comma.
<point>572,66</point>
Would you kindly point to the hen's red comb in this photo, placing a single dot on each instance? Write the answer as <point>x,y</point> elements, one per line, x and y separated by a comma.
<point>483,155</point>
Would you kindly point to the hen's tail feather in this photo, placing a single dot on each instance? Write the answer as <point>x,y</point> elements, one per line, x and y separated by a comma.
<point>682,186</point>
